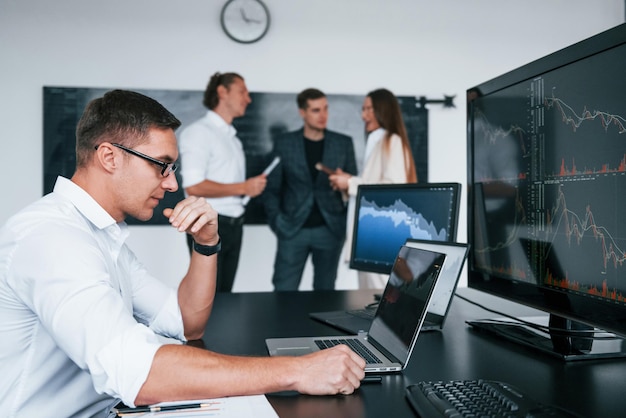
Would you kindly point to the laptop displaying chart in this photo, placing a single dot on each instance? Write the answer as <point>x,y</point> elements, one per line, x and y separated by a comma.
<point>386,215</point>
<point>388,343</point>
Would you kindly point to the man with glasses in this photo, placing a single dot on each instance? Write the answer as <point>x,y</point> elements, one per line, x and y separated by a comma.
<point>166,168</point>
<point>214,167</point>
<point>83,321</point>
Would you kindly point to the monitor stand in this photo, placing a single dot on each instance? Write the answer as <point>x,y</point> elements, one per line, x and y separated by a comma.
<point>567,346</point>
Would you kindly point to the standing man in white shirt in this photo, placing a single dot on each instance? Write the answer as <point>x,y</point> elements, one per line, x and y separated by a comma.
<point>80,315</point>
<point>213,166</point>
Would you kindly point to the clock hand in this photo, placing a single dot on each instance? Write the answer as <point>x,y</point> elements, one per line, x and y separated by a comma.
<point>247,19</point>
<point>243,15</point>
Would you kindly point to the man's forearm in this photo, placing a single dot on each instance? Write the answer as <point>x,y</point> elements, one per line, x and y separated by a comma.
<point>184,372</point>
<point>196,293</point>
<point>209,188</point>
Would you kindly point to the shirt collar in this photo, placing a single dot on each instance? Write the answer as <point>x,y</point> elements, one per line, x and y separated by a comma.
<point>377,134</point>
<point>84,203</point>
<point>221,123</point>
<point>373,138</point>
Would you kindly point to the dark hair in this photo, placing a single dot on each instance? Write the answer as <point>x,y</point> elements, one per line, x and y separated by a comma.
<point>211,99</point>
<point>120,116</point>
<point>306,95</point>
<point>389,116</point>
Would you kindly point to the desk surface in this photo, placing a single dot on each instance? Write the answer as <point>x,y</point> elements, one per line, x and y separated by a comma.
<point>241,321</point>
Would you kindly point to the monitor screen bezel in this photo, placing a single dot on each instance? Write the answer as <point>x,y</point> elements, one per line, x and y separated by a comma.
<point>362,265</point>
<point>603,314</point>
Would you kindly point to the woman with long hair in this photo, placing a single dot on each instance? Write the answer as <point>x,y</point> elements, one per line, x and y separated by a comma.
<point>388,159</point>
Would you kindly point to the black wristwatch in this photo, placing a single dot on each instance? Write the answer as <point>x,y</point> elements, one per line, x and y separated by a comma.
<point>207,249</point>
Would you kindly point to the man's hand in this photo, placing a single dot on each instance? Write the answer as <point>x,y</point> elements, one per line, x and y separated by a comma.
<point>336,370</point>
<point>196,217</point>
<point>255,185</point>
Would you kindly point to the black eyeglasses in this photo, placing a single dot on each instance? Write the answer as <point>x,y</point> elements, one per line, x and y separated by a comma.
<point>166,168</point>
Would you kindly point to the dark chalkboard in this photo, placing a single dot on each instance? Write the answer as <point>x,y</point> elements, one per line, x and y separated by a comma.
<point>268,115</point>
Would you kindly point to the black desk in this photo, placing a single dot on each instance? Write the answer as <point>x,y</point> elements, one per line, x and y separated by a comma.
<point>241,321</point>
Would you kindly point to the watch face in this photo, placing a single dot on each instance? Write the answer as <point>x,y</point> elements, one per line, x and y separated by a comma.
<point>245,21</point>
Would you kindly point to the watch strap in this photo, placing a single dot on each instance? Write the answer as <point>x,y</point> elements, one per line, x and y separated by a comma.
<point>207,249</point>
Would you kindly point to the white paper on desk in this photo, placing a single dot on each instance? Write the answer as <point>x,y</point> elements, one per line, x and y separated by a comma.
<point>232,407</point>
<point>267,171</point>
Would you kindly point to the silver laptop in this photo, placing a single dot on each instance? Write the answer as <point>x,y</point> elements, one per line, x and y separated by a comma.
<point>354,321</point>
<point>388,343</point>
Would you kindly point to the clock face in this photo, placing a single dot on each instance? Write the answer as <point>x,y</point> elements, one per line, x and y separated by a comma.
<point>245,21</point>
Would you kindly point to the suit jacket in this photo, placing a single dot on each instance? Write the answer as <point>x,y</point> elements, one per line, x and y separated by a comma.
<point>290,191</point>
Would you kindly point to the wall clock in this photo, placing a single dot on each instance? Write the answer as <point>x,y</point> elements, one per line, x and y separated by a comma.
<point>245,21</point>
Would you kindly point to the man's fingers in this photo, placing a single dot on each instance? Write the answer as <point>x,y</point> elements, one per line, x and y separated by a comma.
<point>180,206</point>
<point>190,214</point>
<point>348,370</point>
<point>256,185</point>
<point>199,223</point>
<point>186,213</point>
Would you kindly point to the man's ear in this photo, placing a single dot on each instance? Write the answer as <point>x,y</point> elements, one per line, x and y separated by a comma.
<point>221,92</point>
<point>105,157</point>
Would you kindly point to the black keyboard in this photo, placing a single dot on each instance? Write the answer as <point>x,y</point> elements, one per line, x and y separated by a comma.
<point>477,398</point>
<point>356,346</point>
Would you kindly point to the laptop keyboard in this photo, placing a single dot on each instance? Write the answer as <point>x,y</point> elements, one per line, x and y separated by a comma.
<point>356,346</point>
<point>477,398</point>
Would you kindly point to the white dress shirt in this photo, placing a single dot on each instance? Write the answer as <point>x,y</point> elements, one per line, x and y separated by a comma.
<point>210,150</point>
<point>79,314</point>
<point>373,138</point>
<point>382,165</point>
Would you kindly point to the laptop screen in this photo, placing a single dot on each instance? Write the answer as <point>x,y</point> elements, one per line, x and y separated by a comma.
<point>456,253</point>
<point>404,302</point>
<point>386,215</point>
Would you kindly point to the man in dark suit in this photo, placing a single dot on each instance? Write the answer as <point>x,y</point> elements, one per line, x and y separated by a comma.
<point>305,213</point>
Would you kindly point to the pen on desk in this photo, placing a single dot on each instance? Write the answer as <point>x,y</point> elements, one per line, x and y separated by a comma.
<point>144,409</point>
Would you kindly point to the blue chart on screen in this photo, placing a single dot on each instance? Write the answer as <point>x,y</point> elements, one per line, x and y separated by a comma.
<point>386,215</point>
<point>385,229</point>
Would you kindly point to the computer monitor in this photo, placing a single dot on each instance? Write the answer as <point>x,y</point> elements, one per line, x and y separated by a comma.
<point>387,214</point>
<point>546,194</point>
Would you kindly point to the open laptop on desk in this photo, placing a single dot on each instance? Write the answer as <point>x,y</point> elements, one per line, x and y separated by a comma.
<point>398,319</point>
<point>357,320</point>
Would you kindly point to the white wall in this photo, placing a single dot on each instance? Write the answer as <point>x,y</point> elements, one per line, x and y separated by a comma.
<point>413,47</point>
